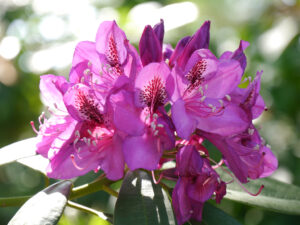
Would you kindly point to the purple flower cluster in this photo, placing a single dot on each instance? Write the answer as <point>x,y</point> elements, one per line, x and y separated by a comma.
<point>120,107</point>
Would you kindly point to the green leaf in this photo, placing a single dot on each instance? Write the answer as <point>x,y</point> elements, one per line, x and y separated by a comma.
<point>36,162</point>
<point>276,196</point>
<point>18,150</point>
<point>46,207</point>
<point>142,202</point>
<point>215,216</point>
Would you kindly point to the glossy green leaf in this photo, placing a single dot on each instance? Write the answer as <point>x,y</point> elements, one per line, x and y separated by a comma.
<point>46,207</point>
<point>18,150</point>
<point>276,196</point>
<point>36,162</point>
<point>212,215</point>
<point>142,202</point>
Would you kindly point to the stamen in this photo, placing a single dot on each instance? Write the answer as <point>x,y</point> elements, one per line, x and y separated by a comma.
<point>86,71</point>
<point>203,98</point>
<point>154,179</point>
<point>74,163</point>
<point>221,103</point>
<point>228,97</point>
<point>206,86</point>
<point>89,64</point>
<point>160,125</point>
<point>256,147</point>
<point>90,132</point>
<point>33,127</point>
<point>250,131</point>
<point>156,133</point>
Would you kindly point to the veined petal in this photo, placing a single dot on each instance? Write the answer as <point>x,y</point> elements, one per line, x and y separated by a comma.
<point>85,51</point>
<point>142,152</point>
<point>126,114</point>
<point>82,104</point>
<point>53,88</point>
<point>231,121</point>
<point>185,124</point>
<point>226,79</point>
<point>110,43</point>
<point>150,85</point>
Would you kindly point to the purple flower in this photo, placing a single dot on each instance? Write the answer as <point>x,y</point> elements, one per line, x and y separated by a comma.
<point>196,184</point>
<point>143,118</point>
<point>106,64</point>
<point>151,43</point>
<point>201,99</point>
<point>82,137</point>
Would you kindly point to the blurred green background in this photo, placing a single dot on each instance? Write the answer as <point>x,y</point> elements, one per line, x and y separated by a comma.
<point>38,37</point>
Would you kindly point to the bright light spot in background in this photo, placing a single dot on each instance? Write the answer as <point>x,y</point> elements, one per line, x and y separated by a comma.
<point>52,27</point>
<point>85,27</point>
<point>57,57</point>
<point>10,47</point>
<point>8,73</point>
<point>18,28</point>
<point>274,41</point>
<point>21,3</point>
<point>174,15</point>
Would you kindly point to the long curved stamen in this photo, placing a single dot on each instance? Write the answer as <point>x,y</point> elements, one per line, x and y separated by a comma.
<point>33,127</point>
<point>154,179</point>
<point>237,180</point>
<point>75,164</point>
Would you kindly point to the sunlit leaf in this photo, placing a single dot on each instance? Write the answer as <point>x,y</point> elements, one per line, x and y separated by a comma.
<point>18,150</point>
<point>36,162</point>
<point>46,207</point>
<point>276,196</point>
<point>142,202</point>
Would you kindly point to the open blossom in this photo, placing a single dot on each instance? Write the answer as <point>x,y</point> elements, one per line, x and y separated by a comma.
<point>115,111</point>
<point>144,150</point>
<point>196,184</point>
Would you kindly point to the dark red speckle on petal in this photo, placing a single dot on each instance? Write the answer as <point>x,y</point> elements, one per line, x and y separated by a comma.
<point>154,93</point>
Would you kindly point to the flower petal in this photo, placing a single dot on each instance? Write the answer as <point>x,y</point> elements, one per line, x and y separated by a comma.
<point>142,152</point>
<point>150,47</point>
<point>52,88</point>
<point>199,40</point>
<point>185,124</point>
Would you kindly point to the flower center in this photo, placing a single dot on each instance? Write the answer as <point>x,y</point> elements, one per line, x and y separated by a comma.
<point>88,109</point>
<point>112,56</point>
<point>195,74</point>
<point>154,94</point>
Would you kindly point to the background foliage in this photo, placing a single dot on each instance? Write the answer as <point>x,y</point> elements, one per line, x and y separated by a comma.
<point>38,37</point>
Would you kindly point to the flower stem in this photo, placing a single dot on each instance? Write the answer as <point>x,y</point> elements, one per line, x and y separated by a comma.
<point>88,210</point>
<point>110,191</point>
<point>77,192</point>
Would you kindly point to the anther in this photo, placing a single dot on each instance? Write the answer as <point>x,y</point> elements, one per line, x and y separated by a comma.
<point>94,143</point>
<point>203,98</point>
<point>268,146</point>
<point>89,64</point>
<point>221,103</point>
<point>156,133</point>
<point>256,147</point>
<point>153,126</point>
<point>250,131</point>
<point>228,97</point>
<point>160,125</point>
<point>206,86</point>
<point>87,71</point>
<point>82,80</point>
<point>155,115</point>
<point>201,90</point>
<point>90,132</point>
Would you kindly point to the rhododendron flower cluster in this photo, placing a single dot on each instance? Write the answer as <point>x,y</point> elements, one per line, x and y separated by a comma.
<point>123,109</point>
